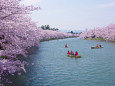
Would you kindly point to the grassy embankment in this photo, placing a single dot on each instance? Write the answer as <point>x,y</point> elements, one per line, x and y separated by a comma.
<point>100,39</point>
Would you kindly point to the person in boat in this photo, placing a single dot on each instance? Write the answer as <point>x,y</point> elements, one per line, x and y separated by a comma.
<point>97,45</point>
<point>66,45</point>
<point>68,53</point>
<point>72,53</point>
<point>76,53</point>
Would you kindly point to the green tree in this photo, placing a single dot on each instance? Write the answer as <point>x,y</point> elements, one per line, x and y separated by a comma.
<point>71,32</point>
<point>48,27</point>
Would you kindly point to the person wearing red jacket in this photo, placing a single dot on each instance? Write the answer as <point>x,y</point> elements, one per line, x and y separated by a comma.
<point>72,53</point>
<point>68,53</point>
<point>97,45</point>
<point>66,45</point>
<point>76,53</point>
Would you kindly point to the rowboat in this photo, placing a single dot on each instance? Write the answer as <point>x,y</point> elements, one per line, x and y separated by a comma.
<point>96,47</point>
<point>78,56</point>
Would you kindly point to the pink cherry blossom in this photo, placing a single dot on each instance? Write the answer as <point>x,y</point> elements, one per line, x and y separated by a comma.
<point>107,33</point>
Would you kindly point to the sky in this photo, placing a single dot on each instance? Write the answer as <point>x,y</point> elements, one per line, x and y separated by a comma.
<point>73,14</point>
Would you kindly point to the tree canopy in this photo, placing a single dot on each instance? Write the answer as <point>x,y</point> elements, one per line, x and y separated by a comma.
<point>47,27</point>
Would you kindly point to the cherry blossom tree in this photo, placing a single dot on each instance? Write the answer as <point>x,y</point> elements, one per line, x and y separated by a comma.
<point>17,33</point>
<point>106,33</point>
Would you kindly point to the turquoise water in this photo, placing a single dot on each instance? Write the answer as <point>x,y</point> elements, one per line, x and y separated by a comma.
<point>50,66</point>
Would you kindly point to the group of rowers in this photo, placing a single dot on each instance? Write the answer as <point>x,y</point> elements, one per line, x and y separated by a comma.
<point>76,53</point>
<point>98,45</point>
<point>71,53</point>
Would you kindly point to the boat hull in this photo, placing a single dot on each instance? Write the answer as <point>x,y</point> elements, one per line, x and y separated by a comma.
<point>96,47</point>
<point>78,56</point>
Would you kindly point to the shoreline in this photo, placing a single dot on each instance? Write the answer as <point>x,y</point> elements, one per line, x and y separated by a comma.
<point>100,39</point>
<point>42,40</point>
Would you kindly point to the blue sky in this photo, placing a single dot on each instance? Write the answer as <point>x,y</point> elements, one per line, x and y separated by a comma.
<point>73,14</point>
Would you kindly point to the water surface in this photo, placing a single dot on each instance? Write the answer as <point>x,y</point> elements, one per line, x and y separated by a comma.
<point>50,66</point>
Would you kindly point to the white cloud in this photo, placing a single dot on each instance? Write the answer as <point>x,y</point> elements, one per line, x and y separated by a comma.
<point>30,2</point>
<point>108,5</point>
